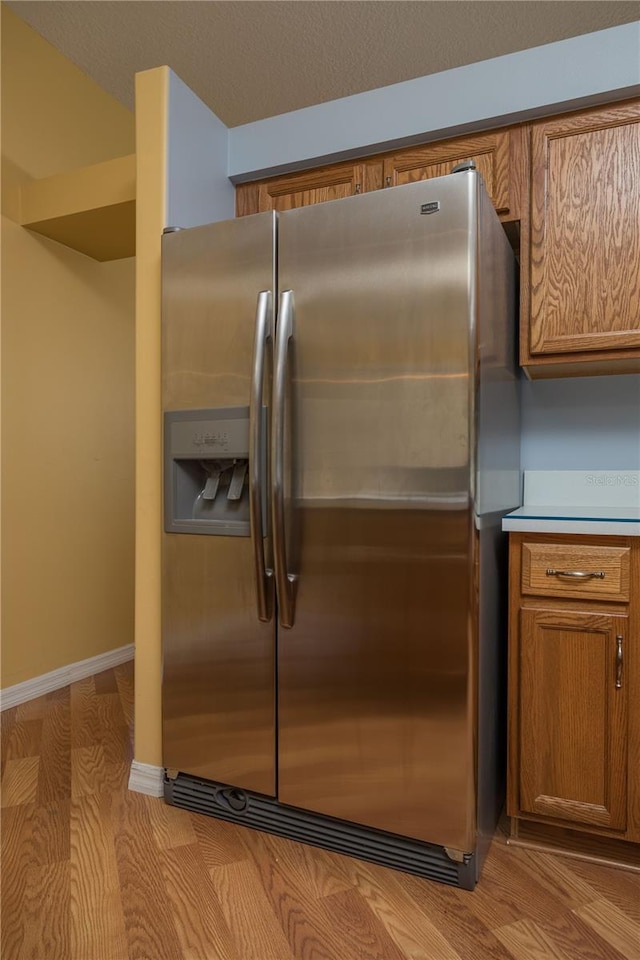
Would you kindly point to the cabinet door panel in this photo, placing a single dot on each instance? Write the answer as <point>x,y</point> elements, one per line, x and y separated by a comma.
<point>302,189</point>
<point>585,232</point>
<point>317,186</point>
<point>573,717</point>
<point>489,151</point>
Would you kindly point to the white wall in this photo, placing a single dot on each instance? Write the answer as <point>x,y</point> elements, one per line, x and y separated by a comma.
<point>597,66</point>
<point>583,423</point>
<point>198,189</point>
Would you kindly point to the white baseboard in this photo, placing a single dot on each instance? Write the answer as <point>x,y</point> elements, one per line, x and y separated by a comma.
<point>63,676</point>
<point>146,778</point>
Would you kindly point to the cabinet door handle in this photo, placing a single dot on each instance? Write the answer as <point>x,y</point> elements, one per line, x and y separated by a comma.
<point>618,662</point>
<point>576,574</point>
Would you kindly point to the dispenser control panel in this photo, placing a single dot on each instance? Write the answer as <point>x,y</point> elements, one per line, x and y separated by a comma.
<point>206,477</point>
<point>208,437</point>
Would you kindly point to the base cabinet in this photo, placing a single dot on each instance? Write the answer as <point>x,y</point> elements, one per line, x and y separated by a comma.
<point>573,717</point>
<point>574,684</point>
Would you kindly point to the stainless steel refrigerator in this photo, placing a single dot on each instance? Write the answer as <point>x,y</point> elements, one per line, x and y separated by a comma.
<point>341,439</point>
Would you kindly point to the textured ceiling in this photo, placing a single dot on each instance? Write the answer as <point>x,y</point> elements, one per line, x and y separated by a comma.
<point>248,60</point>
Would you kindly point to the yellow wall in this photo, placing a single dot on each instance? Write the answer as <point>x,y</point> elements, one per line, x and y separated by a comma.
<point>67,382</point>
<point>152,88</point>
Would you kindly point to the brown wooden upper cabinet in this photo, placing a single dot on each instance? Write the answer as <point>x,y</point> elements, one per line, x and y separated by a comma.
<point>302,189</point>
<point>498,156</point>
<point>491,153</point>
<point>585,239</point>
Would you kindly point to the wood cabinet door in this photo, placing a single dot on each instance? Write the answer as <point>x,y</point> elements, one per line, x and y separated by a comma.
<point>573,717</point>
<point>489,151</point>
<point>302,189</point>
<point>585,232</point>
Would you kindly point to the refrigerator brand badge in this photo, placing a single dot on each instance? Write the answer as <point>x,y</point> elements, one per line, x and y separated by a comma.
<point>432,207</point>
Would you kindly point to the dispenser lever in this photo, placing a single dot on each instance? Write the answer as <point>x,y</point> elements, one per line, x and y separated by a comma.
<point>237,480</point>
<point>211,486</point>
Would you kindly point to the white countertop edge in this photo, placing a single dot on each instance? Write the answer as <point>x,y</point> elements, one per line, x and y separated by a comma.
<point>601,528</point>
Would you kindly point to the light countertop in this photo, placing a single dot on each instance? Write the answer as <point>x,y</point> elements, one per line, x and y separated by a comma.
<point>590,502</point>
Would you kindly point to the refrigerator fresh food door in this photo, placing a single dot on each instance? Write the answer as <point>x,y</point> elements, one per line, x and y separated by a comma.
<point>372,462</point>
<point>218,702</point>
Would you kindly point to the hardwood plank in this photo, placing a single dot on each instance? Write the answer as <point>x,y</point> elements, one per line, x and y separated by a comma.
<point>24,740</point>
<point>614,926</point>
<point>362,934</point>
<point>307,926</point>
<point>266,851</point>
<point>618,887</point>
<point>448,909</point>
<point>320,872</point>
<point>328,872</point>
<point>118,775</point>
<point>105,682</point>
<point>513,889</point>
<point>19,782</point>
<point>88,771</point>
<point>123,875</point>
<point>200,923</point>
<point>527,941</point>
<point>575,938</point>
<point>219,842</point>
<point>559,879</point>
<point>124,681</point>
<point>255,930</point>
<point>31,710</point>
<point>415,936</point>
<point>85,722</point>
<point>97,921</point>
<point>46,913</point>
<point>147,909</point>
<point>171,827</point>
<point>17,858</point>
<point>51,833</point>
<point>55,758</point>
<point>114,731</point>
<point>7,721</point>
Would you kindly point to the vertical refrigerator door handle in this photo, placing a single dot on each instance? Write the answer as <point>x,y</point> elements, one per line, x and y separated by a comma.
<point>257,452</point>
<point>284,580</point>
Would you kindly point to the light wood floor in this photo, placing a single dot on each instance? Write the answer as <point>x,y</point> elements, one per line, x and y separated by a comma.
<point>93,872</point>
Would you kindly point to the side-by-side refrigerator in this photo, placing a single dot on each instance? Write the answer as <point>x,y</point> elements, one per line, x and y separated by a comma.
<point>341,439</point>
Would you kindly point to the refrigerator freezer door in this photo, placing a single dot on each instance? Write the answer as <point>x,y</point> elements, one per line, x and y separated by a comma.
<point>218,699</point>
<point>375,717</point>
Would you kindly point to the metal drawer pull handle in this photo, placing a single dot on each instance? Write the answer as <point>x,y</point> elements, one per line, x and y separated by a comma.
<point>618,662</point>
<point>576,574</point>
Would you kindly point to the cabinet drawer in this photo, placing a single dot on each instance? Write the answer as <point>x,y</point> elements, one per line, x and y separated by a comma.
<point>557,569</point>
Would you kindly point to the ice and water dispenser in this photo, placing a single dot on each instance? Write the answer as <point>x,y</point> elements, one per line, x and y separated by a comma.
<point>206,455</point>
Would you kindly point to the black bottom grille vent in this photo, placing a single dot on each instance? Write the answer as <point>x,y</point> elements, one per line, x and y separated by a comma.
<point>263,813</point>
